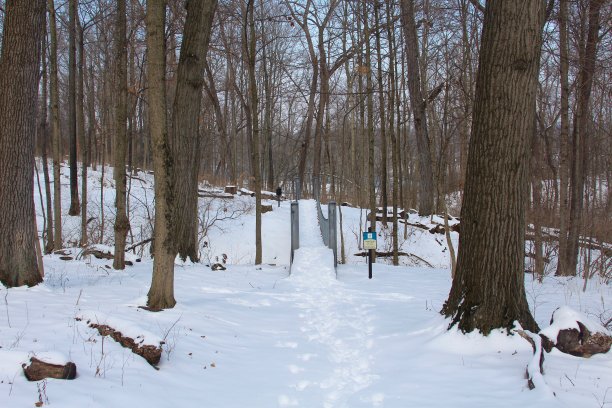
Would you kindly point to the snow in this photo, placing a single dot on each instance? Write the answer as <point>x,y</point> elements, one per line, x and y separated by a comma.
<point>267,336</point>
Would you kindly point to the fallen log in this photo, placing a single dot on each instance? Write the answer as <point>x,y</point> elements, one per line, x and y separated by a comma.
<point>151,353</point>
<point>38,370</point>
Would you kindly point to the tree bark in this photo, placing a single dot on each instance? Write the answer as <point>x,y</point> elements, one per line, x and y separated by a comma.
<point>44,134</point>
<point>186,126</point>
<point>122,222</point>
<point>418,105</point>
<point>161,293</point>
<point>579,138</point>
<point>72,131</point>
<point>250,44</point>
<point>19,69</point>
<point>488,290</point>
<point>564,144</point>
<point>81,132</point>
<point>55,130</point>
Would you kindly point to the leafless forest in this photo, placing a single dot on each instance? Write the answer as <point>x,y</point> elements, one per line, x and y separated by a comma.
<point>373,98</point>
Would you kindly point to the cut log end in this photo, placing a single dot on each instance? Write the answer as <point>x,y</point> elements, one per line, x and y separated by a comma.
<point>38,370</point>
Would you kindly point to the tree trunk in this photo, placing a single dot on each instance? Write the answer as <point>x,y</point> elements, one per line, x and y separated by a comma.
<point>82,138</point>
<point>250,44</point>
<point>55,130</point>
<point>122,222</point>
<point>488,290</point>
<point>579,137</point>
<point>44,134</point>
<point>185,124</point>
<point>370,130</point>
<point>418,105</point>
<point>72,133</point>
<point>161,293</point>
<point>383,121</point>
<point>564,148</point>
<point>19,68</point>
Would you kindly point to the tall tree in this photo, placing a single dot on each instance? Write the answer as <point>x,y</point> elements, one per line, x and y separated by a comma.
<point>418,105</point>
<point>161,293</point>
<point>250,44</point>
<point>587,57</point>
<point>488,289</point>
<point>72,131</point>
<point>122,222</point>
<point>44,134</point>
<point>186,124</point>
<point>19,69</point>
<point>55,128</point>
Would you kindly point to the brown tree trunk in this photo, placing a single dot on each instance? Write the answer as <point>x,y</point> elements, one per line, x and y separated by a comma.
<point>44,134</point>
<point>383,120</point>
<point>72,131</point>
<point>82,137</point>
<point>250,45</point>
<point>186,126</point>
<point>579,137</point>
<point>55,130</point>
<point>161,293</point>
<point>370,129</point>
<point>19,68</point>
<point>488,290</point>
<point>122,222</point>
<point>564,148</point>
<point>417,103</point>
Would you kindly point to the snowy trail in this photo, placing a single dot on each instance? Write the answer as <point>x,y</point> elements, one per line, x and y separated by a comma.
<point>333,319</point>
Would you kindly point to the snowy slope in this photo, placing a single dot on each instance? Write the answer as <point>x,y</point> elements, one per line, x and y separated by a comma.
<point>256,336</point>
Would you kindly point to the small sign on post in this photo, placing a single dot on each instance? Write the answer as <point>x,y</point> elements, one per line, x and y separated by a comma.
<point>369,243</point>
<point>369,240</point>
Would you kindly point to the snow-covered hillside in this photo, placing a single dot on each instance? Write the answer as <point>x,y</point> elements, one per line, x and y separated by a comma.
<point>256,336</point>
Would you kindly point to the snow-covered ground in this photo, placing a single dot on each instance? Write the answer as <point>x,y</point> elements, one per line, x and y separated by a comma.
<point>260,336</point>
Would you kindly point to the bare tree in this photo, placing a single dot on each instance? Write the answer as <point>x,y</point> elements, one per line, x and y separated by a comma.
<point>122,222</point>
<point>186,125</point>
<point>19,69</point>
<point>418,104</point>
<point>55,128</point>
<point>488,289</point>
<point>161,293</point>
<point>72,130</point>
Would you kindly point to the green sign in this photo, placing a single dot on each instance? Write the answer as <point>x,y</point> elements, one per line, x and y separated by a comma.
<point>369,240</point>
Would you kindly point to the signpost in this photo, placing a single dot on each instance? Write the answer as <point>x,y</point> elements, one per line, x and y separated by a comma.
<point>369,243</point>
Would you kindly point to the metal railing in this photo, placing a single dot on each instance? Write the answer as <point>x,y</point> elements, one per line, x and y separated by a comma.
<point>327,225</point>
<point>295,230</point>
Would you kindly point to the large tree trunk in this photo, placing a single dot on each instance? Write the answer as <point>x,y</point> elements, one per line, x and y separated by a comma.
<point>55,130</point>
<point>161,293</point>
<point>72,133</point>
<point>185,124</point>
<point>19,68</point>
<point>488,290</point>
<point>417,103</point>
<point>579,138</point>
<point>122,222</point>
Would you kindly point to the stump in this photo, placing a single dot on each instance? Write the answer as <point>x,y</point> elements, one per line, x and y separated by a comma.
<point>587,339</point>
<point>39,370</point>
<point>266,208</point>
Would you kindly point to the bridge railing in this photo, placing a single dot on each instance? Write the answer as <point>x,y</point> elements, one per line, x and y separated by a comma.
<point>327,225</point>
